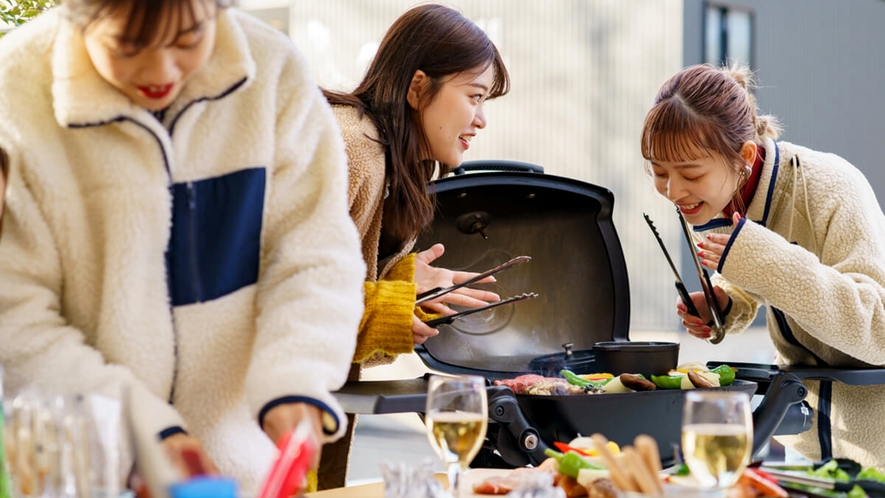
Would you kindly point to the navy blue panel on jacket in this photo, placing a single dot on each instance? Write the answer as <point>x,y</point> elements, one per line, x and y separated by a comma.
<point>215,244</point>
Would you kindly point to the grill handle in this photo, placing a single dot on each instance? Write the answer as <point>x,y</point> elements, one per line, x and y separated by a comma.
<point>504,409</point>
<point>497,165</point>
<point>784,391</point>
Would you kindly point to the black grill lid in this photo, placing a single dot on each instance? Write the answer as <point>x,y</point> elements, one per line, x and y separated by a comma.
<point>577,268</point>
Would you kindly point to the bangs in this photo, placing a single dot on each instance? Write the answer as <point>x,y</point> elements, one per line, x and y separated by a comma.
<point>145,25</point>
<point>501,85</point>
<point>672,133</point>
<point>148,21</point>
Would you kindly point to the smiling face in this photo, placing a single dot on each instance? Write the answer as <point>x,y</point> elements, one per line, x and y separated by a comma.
<point>153,75</point>
<point>701,188</point>
<point>452,117</point>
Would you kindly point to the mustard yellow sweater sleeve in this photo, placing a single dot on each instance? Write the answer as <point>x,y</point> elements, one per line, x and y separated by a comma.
<point>386,326</point>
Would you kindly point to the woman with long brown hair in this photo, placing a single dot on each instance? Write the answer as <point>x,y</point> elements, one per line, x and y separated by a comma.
<point>411,119</point>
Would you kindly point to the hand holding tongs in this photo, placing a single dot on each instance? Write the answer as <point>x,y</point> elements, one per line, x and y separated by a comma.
<point>445,320</point>
<point>716,324</point>
<point>438,292</point>
<point>442,291</point>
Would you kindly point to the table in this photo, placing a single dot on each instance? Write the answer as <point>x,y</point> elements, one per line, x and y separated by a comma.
<point>376,490</point>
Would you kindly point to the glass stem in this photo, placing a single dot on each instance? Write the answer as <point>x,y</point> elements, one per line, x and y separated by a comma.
<point>454,472</point>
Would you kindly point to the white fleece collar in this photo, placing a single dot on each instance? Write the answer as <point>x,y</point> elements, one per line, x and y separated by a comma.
<point>759,206</point>
<point>81,96</point>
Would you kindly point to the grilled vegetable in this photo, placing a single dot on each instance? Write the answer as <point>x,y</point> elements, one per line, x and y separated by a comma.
<point>667,381</point>
<point>698,380</point>
<point>566,448</point>
<point>726,375</point>
<point>637,382</point>
<point>570,463</point>
<point>574,378</point>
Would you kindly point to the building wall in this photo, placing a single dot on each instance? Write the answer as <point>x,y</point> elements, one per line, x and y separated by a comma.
<point>820,65</point>
<point>583,76</point>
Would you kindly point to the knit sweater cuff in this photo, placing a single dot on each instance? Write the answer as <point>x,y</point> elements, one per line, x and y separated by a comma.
<point>386,326</point>
<point>403,270</point>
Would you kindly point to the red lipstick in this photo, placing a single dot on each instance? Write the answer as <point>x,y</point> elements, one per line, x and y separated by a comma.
<point>156,91</point>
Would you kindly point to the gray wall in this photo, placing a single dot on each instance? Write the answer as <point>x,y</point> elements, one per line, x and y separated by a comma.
<point>821,67</point>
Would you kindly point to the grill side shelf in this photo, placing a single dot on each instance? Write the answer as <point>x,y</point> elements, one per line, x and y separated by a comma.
<point>383,396</point>
<point>852,376</point>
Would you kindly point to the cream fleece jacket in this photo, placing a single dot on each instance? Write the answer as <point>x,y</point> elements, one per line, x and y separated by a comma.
<point>209,261</point>
<point>812,249</point>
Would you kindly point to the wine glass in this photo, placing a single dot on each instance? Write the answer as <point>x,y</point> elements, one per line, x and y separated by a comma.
<point>457,419</point>
<point>717,436</point>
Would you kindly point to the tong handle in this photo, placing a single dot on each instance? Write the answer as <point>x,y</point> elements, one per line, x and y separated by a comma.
<point>442,291</point>
<point>680,287</point>
<point>446,320</point>
<point>686,299</point>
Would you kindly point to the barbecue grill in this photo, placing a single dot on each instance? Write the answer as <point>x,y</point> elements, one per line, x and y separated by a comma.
<point>502,209</point>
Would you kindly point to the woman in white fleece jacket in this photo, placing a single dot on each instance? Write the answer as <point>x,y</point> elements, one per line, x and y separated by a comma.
<point>796,230</point>
<point>176,221</point>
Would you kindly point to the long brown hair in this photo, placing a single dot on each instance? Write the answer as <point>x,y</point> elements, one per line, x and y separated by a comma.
<point>441,42</point>
<point>144,25</point>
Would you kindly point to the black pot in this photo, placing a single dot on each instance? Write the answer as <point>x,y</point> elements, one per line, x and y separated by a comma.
<point>646,358</point>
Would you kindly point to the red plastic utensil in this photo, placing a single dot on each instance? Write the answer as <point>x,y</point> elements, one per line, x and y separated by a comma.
<point>287,476</point>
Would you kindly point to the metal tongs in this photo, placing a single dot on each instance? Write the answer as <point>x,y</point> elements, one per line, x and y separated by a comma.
<point>718,329</point>
<point>718,323</point>
<point>445,320</point>
<point>441,291</point>
<point>680,286</point>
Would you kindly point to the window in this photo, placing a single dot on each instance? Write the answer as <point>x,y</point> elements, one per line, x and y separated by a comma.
<point>728,35</point>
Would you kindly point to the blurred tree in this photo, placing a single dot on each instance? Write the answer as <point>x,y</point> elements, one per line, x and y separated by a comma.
<point>15,12</point>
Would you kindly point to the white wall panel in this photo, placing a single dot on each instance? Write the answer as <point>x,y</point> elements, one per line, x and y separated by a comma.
<point>584,73</point>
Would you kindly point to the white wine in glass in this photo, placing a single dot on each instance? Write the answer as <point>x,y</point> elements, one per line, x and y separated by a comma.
<point>717,436</point>
<point>457,420</point>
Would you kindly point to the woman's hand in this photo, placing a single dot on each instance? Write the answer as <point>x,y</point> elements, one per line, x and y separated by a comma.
<point>420,331</point>
<point>177,445</point>
<point>284,418</point>
<point>697,325</point>
<point>428,277</point>
<point>710,250</point>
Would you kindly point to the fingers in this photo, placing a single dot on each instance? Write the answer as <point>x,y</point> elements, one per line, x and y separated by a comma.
<point>463,276</point>
<point>438,307</point>
<point>694,325</point>
<point>421,332</point>
<point>472,298</point>
<point>429,255</point>
<point>711,249</point>
<point>188,456</point>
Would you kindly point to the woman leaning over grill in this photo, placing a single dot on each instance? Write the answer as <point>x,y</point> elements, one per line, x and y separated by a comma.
<point>176,183</point>
<point>796,230</point>
<point>419,104</point>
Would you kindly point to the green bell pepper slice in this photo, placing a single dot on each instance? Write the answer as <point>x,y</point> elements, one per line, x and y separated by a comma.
<point>570,463</point>
<point>667,381</point>
<point>726,375</point>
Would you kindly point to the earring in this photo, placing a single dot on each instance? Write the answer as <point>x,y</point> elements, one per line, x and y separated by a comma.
<point>745,173</point>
